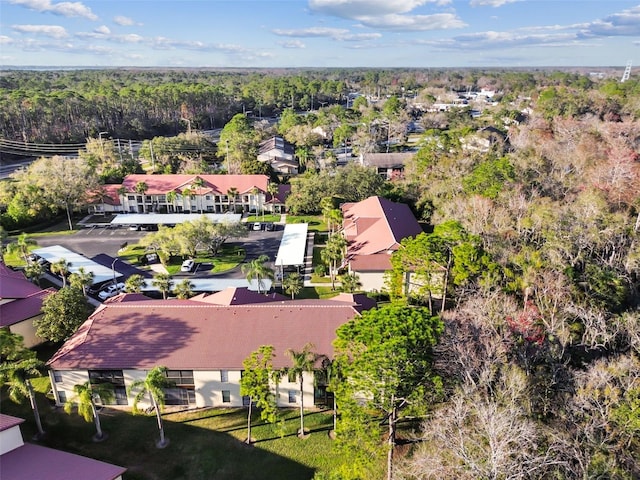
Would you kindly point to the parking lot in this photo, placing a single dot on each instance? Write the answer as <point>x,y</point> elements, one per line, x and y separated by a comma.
<point>92,241</point>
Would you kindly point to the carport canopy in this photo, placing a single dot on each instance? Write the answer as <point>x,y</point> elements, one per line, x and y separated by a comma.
<point>56,252</point>
<point>293,245</point>
<point>172,218</point>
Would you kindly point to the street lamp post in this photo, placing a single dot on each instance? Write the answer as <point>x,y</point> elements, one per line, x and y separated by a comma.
<point>113,270</point>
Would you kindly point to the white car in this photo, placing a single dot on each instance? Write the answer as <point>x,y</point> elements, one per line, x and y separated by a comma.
<point>257,226</point>
<point>187,265</point>
<point>111,291</point>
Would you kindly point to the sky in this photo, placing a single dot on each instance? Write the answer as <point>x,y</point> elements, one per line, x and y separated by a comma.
<point>319,33</point>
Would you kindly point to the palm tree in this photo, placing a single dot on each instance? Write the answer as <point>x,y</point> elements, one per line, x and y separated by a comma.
<point>188,192</point>
<point>333,378</point>
<point>350,282</point>
<point>273,189</point>
<point>34,271</point>
<point>85,400</point>
<point>233,193</point>
<point>81,279</point>
<point>21,245</point>
<point>134,283</point>
<point>141,188</point>
<point>19,365</point>
<point>332,254</point>
<point>171,199</point>
<point>197,184</point>
<point>256,269</point>
<point>303,361</point>
<point>184,289</point>
<point>153,385</point>
<point>61,268</point>
<point>163,282</point>
<point>292,284</point>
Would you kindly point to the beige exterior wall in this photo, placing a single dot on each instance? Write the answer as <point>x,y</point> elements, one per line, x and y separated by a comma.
<point>10,439</point>
<point>209,387</point>
<point>27,331</point>
<point>371,281</point>
<point>69,379</point>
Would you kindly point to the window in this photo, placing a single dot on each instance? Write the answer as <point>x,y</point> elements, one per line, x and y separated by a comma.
<point>292,396</point>
<point>193,208</point>
<point>162,198</point>
<point>207,197</point>
<point>224,376</point>
<point>62,396</point>
<point>131,198</point>
<point>180,396</point>
<point>115,378</point>
<point>226,396</point>
<point>180,377</point>
<point>57,376</point>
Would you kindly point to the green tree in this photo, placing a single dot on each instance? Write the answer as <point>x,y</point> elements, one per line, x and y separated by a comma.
<point>19,365</point>
<point>134,283</point>
<point>64,311</point>
<point>303,361</point>
<point>153,385</point>
<point>385,358</point>
<point>332,255</point>
<point>86,395</point>
<point>61,268</point>
<point>184,289</point>
<point>238,143</point>
<point>163,282</point>
<point>34,271</point>
<point>81,279</point>
<point>257,376</point>
<point>21,245</point>
<point>292,284</point>
<point>350,282</point>
<point>258,271</point>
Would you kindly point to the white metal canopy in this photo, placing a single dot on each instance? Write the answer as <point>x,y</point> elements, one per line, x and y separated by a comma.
<point>293,245</point>
<point>56,252</point>
<point>172,218</point>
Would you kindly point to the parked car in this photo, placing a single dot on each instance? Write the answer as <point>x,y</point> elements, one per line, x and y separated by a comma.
<point>187,265</point>
<point>257,226</point>
<point>135,228</point>
<point>111,291</point>
<point>270,227</point>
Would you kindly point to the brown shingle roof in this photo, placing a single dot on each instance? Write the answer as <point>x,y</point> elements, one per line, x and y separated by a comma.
<point>23,308</point>
<point>198,336</point>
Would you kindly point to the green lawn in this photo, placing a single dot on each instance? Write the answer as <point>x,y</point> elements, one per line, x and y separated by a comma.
<point>204,444</point>
<point>230,256</point>
<point>316,222</point>
<point>265,218</point>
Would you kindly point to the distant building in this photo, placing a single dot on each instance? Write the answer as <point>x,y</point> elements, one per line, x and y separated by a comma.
<point>388,165</point>
<point>280,154</point>
<point>185,193</point>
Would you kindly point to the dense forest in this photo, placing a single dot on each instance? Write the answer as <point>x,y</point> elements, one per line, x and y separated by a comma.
<point>531,257</point>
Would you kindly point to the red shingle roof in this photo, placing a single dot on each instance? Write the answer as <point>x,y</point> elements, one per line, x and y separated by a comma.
<point>194,335</point>
<point>23,308</point>
<point>220,184</point>
<point>14,285</point>
<point>31,462</point>
<point>377,225</point>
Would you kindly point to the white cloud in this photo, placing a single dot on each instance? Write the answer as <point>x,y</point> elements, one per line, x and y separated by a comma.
<point>439,21</point>
<point>357,8</point>
<point>292,44</point>
<point>66,9</point>
<point>103,30</point>
<point>491,3</point>
<point>53,31</point>
<point>626,23</point>
<point>4,40</point>
<point>123,21</point>
<point>312,32</point>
